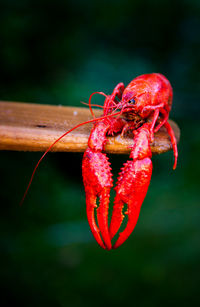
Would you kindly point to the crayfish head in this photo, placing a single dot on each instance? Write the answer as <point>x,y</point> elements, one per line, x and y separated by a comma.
<point>134,100</point>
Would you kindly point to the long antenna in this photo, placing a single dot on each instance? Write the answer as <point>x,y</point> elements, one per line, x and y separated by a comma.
<point>48,149</point>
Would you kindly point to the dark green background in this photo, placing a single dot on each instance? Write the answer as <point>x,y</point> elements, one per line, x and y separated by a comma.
<point>59,52</point>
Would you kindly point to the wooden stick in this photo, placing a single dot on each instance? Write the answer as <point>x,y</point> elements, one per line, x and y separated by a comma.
<point>34,127</point>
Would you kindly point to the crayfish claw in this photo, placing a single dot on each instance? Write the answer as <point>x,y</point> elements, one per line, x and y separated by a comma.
<point>132,221</point>
<point>97,180</point>
<point>117,217</point>
<point>90,206</point>
<point>102,217</point>
<point>131,189</point>
<point>132,186</point>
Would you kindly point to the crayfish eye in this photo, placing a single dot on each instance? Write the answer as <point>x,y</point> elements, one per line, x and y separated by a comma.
<point>132,101</point>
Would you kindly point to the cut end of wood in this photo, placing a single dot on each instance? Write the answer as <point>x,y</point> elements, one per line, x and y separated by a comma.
<point>33,127</point>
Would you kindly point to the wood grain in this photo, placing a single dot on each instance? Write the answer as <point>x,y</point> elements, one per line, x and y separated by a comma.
<point>34,127</point>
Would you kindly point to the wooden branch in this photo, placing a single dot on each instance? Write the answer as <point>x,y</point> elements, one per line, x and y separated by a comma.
<point>33,127</point>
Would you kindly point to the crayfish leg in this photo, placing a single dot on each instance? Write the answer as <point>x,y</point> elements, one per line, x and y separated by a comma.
<point>112,100</point>
<point>173,141</point>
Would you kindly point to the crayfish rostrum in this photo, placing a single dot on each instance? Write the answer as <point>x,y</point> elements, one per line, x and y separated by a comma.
<point>143,108</point>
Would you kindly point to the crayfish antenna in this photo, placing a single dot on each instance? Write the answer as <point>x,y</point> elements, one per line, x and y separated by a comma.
<point>90,98</point>
<point>56,141</point>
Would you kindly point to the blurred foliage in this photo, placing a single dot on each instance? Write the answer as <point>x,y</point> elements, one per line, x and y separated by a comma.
<point>59,52</point>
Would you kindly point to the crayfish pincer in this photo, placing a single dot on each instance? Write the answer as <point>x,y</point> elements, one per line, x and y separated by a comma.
<point>142,107</point>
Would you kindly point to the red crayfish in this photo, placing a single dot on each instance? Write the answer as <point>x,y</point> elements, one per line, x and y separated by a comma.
<point>142,107</point>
